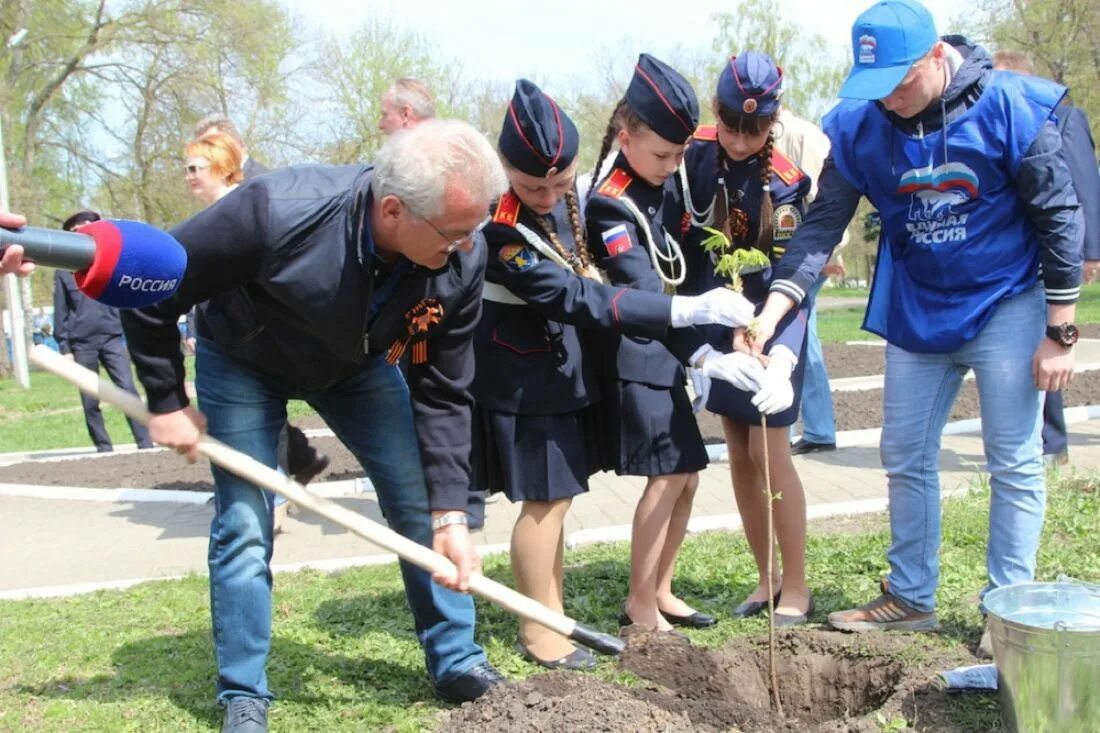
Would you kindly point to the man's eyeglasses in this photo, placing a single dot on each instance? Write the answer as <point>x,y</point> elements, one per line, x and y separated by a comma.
<point>452,244</point>
<point>193,170</point>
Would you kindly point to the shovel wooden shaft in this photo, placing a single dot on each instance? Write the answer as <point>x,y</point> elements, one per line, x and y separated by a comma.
<point>252,470</point>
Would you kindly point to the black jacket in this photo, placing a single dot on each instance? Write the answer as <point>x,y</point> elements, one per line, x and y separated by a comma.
<point>79,322</point>
<point>294,253</point>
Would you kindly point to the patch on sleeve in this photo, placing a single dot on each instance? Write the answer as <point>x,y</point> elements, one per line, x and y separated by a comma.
<point>518,257</point>
<point>507,209</point>
<point>616,184</point>
<point>785,168</point>
<point>616,240</point>
<point>708,133</point>
<point>787,219</point>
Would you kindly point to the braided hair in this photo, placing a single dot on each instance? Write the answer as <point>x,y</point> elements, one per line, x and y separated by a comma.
<point>577,259</point>
<point>753,125</point>
<point>623,117</point>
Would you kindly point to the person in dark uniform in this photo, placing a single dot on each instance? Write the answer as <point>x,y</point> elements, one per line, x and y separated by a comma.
<point>633,221</point>
<point>90,333</point>
<point>347,269</point>
<point>535,437</point>
<point>754,196</point>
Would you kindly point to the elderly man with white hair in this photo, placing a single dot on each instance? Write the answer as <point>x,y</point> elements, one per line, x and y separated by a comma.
<point>341,271</point>
<point>405,105</point>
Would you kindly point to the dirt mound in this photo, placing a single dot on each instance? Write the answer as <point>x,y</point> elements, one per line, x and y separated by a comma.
<point>829,683</point>
<point>564,701</point>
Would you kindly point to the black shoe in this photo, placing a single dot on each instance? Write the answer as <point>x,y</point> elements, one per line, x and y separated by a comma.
<point>468,686</point>
<point>307,474</point>
<point>803,447</point>
<point>576,660</point>
<point>753,608</point>
<point>784,619</point>
<point>245,715</point>
<point>695,620</point>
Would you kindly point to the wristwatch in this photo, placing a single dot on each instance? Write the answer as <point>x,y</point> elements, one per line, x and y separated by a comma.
<point>1064,335</point>
<point>446,520</point>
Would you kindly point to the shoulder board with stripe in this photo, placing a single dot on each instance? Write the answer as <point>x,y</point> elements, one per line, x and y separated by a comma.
<point>507,209</point>
<point>616,184</point>
<point>706,132</point>
<point>785,168</point>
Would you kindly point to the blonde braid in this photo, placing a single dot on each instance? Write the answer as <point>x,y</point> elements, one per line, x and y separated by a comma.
<point>573,206</point>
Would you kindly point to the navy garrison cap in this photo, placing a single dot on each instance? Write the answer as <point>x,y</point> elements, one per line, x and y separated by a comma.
<point>537,137</point>
<point>751,84</point>
<point>663,99</point>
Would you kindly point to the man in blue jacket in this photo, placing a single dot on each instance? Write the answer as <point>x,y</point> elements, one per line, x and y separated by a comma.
<point>331,276</point>
<point>1081,159</point>
<point>980,226</point>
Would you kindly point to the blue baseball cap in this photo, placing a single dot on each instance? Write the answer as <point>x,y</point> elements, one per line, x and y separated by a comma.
<point>887,39</point>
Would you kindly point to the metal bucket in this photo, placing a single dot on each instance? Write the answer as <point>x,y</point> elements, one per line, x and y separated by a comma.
<point>1046,642</point>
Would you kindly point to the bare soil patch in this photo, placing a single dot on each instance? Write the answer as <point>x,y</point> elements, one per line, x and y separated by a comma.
<point>829,682</point>
<point>159,469</point>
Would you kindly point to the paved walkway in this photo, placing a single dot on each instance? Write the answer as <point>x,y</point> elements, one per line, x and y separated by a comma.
<point>59,546</point>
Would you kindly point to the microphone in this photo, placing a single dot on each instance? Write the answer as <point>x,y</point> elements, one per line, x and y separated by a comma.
<point>124,264</point>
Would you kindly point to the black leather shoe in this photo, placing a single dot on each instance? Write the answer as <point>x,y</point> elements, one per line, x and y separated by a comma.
<point>695,620</point>
<point>803,447</point>
<point>577,660</point>
<point>468,686</point>
<point>753,608</point>
<point>785,619</point>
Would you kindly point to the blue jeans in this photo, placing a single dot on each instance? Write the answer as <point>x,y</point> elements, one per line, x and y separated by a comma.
<point>371,414</point>
<point>818,422</point>
<point>920,389</point>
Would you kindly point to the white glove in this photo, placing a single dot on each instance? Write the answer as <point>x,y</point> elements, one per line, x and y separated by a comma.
<point>776,392</point>
<point>722,306</point>
<point>742,370</point>
<point>700,386</point>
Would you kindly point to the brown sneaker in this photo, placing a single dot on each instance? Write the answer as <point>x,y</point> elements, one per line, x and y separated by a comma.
<point>885,613</point>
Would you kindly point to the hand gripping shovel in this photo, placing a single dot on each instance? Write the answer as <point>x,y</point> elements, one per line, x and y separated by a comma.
<point>268,478</point>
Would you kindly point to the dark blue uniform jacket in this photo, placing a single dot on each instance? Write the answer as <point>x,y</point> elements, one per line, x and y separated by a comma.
<point>621,248</point>
<point>295,246</point>
<point>529,354</point>
<point>739,181</point>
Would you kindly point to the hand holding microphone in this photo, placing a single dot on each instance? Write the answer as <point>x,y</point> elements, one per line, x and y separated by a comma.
<point>12,262</point>
<point>124,264</point>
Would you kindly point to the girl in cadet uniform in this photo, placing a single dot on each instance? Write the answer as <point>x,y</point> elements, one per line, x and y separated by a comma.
<point>741,186</point>
<point>535,438</point>
<point>647,424</point>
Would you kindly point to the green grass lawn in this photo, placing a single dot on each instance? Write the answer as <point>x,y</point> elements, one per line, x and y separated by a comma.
<point>344,655</point>
<point>837,325</point>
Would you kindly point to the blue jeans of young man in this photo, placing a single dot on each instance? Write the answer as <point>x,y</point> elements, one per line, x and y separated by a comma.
<point>371,414</point>
<point>920,389</point>
<point>818,421</point>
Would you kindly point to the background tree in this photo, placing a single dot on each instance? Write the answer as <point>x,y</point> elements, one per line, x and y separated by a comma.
<point>1061,36</point>
<point>812,70</point>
